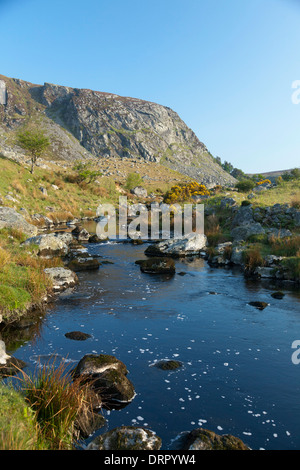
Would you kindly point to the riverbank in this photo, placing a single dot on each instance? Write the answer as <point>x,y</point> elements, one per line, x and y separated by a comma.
<point>246,235</point>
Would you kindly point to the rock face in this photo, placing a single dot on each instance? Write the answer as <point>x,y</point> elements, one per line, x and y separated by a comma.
<point>111,126</point>
<point>202,439</point>
<point>127,438</point>
<point>9,218</point>
<point>177,248</point>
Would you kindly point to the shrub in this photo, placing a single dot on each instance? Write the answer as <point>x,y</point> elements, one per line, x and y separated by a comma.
<point>259,183</point>
<point>245,186</point>
<point>181,193</point>
<point>133,180</point>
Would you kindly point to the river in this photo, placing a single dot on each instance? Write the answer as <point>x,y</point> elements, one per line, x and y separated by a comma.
<point>237,376</point>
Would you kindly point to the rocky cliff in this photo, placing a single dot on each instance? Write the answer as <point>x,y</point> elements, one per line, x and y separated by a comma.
<point>89,124</point>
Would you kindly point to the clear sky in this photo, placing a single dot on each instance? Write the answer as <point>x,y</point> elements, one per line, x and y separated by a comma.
<point>225,66</point>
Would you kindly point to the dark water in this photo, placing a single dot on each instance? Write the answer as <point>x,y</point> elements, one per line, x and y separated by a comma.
<point>237,377</point>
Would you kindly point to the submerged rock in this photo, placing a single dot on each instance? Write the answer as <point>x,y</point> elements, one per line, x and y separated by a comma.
<point>168,365</point>
<point>77,335</point>
<point>126,438</point>
<point>202,439</point>
<point>83,263</point>
<point>157,266</point>
<point>278,295</point>
<point>259,305</point>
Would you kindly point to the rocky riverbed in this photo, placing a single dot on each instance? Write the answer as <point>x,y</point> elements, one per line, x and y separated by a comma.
<point>203,320</point>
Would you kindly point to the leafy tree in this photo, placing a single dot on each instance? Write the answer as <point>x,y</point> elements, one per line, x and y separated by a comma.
<point>34,142</point>
<point>84,173</point>
<point>133,180</point>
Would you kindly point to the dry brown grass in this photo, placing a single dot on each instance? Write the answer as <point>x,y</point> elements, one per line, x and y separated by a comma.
<point>253,259</point>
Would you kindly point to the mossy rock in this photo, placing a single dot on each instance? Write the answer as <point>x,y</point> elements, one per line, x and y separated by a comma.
<point>202,439</point>
<point>158,266</point>
<point>278,295</point>
<point>77,335</point>
<point>114,387</point>
<point>168,365</point>
<point>259,305</point>
<point>95,364</point>
<point>127,438</point>
<point>83,264</point>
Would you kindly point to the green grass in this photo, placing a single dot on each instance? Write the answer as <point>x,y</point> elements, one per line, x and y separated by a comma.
<point>23,283</point>
<point>18,429</point>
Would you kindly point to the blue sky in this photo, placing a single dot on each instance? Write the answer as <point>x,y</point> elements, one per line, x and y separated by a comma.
<point>225,66</point>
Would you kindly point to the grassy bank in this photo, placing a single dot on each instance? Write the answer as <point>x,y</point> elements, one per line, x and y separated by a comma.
<point>23,284</point>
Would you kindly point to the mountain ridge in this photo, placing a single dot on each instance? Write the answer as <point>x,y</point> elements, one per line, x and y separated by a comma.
<point>88,124</point>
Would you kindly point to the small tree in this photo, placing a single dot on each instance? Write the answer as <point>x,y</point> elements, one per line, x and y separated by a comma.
<point>84,173</point>
<point>133,180</point>
<point>35,142</point>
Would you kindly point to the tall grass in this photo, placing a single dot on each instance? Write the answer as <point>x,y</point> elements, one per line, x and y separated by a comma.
<point>56,401</point>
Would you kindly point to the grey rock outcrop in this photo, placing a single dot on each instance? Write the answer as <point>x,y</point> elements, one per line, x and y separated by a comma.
<point>48,245</point>
<point>9,218</point>
<point>84,124</point>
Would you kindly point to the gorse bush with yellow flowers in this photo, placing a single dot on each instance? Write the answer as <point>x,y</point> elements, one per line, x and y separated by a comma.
<point>181,193</point>
<point>263,182</point>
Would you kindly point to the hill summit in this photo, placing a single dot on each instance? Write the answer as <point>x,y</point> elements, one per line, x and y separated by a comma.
<point>84,124</point>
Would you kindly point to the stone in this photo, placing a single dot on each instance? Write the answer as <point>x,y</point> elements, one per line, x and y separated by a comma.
<point>227,202</point>
<point>49,245</point>
<point>9,218</point>
<point>278,295</point>
<point>237,254</point>
<point>62,278</point>
<point>243,232</point>
<point>114,388</point>
<point>244,216</point>
<point>94,364</point>
<point>202,439</point>
<point>43,191</point>
<point>264,272</point>
<point>168,364</point>
<point>97,238</point>
<point>187,246</point>
<point>3,356</point>
<point>259,305</point>
<point>83,235</point>
<point>77,335</point>
<point>107,377</point>
<point>83,263</point>
<point>139,191</point>
<point>279,233</point>
<point>126,438</point>
<point>9,365</point>
<point>158,266</point>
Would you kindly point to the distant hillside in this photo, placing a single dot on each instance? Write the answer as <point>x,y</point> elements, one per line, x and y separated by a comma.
<point>272,175</point>
<point>84,124</point>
